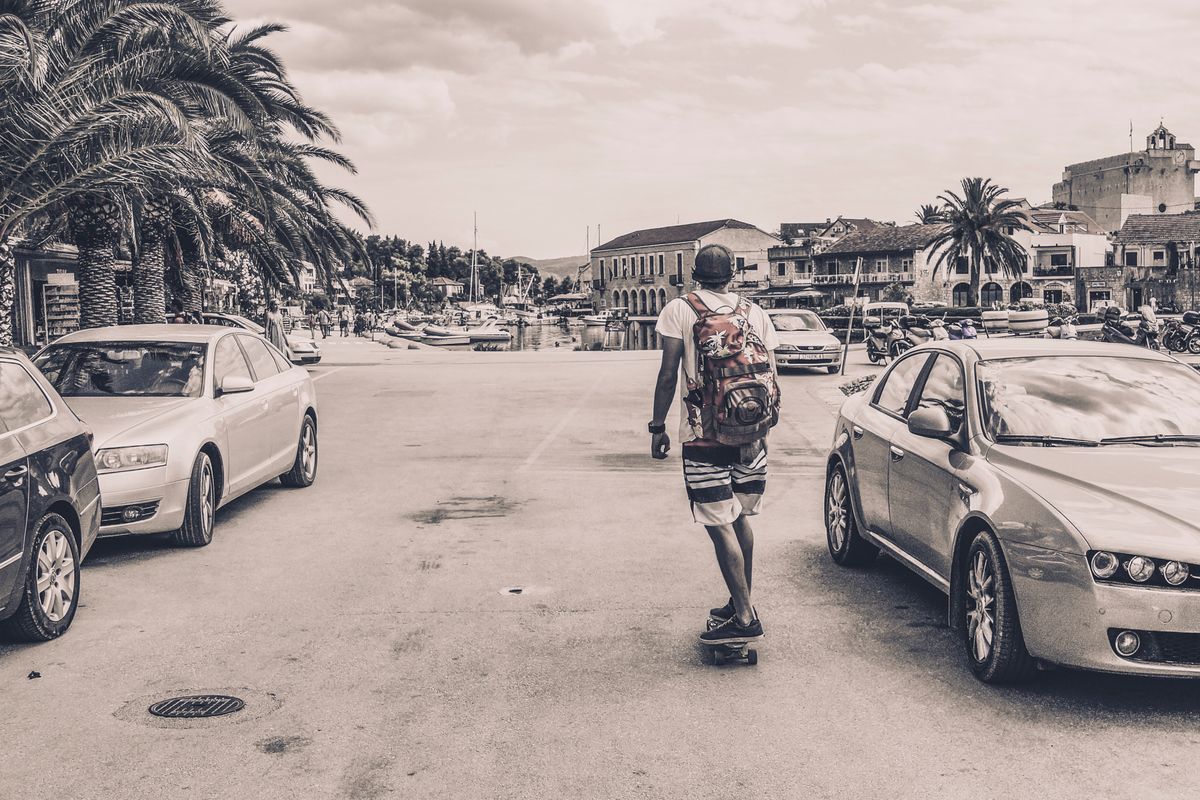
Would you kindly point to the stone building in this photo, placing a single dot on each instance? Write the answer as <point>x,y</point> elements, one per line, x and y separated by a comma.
<point>1158,180</point>
<point>890,255</point>
<point>645,269</point>
<point>1158,255</point>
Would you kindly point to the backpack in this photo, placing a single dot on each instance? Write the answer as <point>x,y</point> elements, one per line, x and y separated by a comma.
<point>738,393</point>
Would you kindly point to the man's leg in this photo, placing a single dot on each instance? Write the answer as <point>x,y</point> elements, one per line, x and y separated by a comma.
<point>735,569</point>
<point>745,538</point>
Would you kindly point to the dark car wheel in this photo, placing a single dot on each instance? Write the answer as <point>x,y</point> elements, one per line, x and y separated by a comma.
<point>1193,345</point>
<point>846,545</point>
<point>200,515</point>
<point>994,642</point>
<point>304,468</point>
<point>51,592</point>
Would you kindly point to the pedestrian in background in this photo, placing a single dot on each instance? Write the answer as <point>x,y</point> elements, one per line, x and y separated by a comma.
<point>344,320</point>
<point>324,320</point>
<point>725,345</point>
<point>274,327</point>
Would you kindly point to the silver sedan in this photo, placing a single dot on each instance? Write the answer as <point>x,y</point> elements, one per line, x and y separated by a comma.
<point>186,418</point>
<point>1048,487</point>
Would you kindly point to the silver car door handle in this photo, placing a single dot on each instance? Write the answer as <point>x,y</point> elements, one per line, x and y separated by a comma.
<point>857,431</point>
<point>897,453</point>
<point>965,492</point>
<point>16,472</point>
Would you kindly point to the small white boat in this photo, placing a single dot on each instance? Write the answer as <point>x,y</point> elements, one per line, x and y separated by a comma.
<point>447,341</point>
<point>593,320</point>
<point>489,331</point>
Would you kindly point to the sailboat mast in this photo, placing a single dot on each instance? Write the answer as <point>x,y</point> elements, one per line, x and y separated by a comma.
<point>474,254</point>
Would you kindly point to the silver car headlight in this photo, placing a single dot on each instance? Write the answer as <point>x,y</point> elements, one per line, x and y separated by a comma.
<point>124,459</point>
<point>1135,570</point>
<point>787,348</point>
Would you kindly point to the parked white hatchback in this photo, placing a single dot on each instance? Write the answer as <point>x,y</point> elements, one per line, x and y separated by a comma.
<point>186,418</point>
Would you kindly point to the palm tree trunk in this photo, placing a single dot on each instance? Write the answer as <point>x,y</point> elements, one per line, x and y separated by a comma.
<point>8,289</point>
<point>94,223</point>
<point>976,279</point>
<point>193,287</point>
<point>149,291</point>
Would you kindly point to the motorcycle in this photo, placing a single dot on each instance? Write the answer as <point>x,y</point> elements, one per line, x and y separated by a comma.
<point>1116,330</point>
<point>910,332</point>
<point>964,329</point>
<point>1175,336</point>
<point>878,334</point>
<point>1192,320</point>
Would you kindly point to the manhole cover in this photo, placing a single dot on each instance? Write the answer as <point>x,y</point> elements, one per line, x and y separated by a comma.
<point>196,706</point>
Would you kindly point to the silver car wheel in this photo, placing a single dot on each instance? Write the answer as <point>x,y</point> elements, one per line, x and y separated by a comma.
<point>837,513</point>
<point>981,606</point>
<point>207,498</point>
<point>308,452</point>
<point>55,576</point>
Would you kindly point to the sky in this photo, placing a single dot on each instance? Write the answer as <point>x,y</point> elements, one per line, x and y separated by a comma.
<point>550,117</point>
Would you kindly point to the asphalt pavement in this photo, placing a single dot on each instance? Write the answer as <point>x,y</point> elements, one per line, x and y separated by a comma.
<point>492,591</point>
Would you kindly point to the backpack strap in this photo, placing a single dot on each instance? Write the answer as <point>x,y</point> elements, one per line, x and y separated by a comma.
<point>744,369</point>
<point>698,305</point>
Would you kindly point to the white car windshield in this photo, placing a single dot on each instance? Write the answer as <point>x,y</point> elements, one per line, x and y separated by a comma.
<point>797,321</point>
<point>1088,400</point>
<point>128,369</point>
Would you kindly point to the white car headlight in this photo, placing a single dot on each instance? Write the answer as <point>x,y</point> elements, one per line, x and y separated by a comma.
<point>123,459</point>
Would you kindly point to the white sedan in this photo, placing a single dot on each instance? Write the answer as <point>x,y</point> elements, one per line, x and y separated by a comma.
<point>804,341</point>
<point>186,418</point>
<point>300,349</point>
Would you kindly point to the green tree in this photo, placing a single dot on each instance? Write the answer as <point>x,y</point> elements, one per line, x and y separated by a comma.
<point>567,285</point>
<point>549,286</point>
<point>976,229</point>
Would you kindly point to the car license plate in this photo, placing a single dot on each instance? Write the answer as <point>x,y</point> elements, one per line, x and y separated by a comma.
<point>808,357</point>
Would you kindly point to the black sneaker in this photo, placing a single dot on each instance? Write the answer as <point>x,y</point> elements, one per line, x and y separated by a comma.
<point>723,613</point>
<point>732,632</point>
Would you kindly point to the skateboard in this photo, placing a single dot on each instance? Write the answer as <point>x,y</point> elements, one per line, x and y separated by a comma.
<point>717,654</point>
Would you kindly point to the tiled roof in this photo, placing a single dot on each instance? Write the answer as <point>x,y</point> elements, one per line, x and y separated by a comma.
<point>1048,218</point>
<point>886,239</point>
<point>672,234</point>
<point>796,229</point>
<point>440,281</point>
<point>1160,228</point>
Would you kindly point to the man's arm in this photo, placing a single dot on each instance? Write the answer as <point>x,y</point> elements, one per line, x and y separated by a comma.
<point>664,393</point>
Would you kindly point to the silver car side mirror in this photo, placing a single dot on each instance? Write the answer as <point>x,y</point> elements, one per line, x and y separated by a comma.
<point>932,423</point>
<point>235,384</point>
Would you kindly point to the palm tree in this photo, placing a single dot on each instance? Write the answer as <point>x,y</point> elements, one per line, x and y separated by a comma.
<point>928,214</point>
<point>153,216</point>
<point>978,224</point>
<point>97,99</point>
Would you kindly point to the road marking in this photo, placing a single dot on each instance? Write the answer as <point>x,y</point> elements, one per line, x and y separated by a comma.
<point>557,429</point>
<point>327,374</point>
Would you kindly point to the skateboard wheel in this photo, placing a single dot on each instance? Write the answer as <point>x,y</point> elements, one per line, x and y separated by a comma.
<point>751,657</point>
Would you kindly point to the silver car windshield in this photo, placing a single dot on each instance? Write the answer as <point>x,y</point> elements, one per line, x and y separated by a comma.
<point>803,321</point>
<point>1087,398</point>
<point>129,369</point>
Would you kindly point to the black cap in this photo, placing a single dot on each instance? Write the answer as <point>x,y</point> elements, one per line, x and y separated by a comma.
<point>714,264</point>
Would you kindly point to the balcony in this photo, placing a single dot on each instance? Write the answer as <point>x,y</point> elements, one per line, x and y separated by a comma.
<point>847,278</point>
<point>1054,272</point>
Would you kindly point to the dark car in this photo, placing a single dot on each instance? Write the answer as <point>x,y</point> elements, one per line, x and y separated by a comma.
<point>49,503</point>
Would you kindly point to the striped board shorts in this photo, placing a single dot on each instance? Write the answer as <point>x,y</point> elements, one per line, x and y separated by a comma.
<point>724,482</point>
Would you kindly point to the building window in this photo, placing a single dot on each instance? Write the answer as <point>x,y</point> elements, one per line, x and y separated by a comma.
<point>906,265</point>
<point>881,265</point>
<point>782,268</point>
<point>624,266</point>
<point>1058,259</point>
<point>1131,258</point>
<point>803,267</point>
<point>660,263</point>
<point>1160,256</point>
<point>642,265</point>
<point>1052,295</point>
<point>741,264</point>
<point>960,266</point>
<point>679,263</point>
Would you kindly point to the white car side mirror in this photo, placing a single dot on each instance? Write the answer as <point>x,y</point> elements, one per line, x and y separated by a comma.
<point>235,384</point>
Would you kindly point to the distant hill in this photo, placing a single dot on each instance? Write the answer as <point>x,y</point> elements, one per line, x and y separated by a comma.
<point>559,267</point>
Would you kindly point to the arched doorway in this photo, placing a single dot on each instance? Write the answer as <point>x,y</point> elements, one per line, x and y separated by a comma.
<point>616,299</point>
<point>662,299</point>
<point>961,296</point>
<point>1019,291</point>
<point>653,302</point>
<point>992,294</point>
<point>642,306</point>
<point>625,299</point>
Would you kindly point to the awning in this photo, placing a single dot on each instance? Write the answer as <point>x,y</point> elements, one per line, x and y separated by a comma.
<point>807,293</point>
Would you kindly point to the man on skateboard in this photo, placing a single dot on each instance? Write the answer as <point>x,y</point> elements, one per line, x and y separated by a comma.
<point>725,345</point>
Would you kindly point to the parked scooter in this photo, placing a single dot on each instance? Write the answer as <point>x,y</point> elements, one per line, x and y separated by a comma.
<point>910,332</point>
<point>878,334</point>
<point>1191,319</point>
<point>1117,330</point>
<point>1175,335</point>
<point>964,329</point>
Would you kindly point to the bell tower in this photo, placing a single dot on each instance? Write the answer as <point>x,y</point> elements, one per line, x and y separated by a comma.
<point>1160,139</point>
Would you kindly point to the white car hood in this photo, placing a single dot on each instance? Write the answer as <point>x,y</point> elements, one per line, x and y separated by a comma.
<point>807,338</point>
<point>109,417</point>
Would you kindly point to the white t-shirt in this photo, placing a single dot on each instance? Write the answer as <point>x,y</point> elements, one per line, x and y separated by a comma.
<point>676,321</point>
